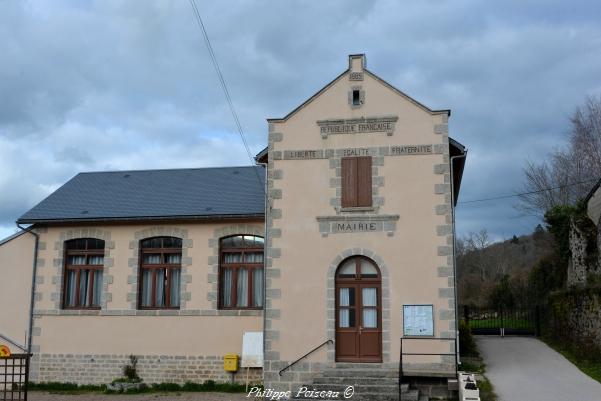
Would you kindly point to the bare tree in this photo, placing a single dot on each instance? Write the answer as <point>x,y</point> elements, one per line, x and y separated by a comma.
<point>568,174</point>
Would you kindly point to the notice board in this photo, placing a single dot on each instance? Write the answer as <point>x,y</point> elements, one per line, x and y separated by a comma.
<point>252,349</point>
<point>418,320</point>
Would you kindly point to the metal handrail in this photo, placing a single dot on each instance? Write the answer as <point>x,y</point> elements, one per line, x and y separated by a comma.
<point>304,356</point>
<point>418,353</point>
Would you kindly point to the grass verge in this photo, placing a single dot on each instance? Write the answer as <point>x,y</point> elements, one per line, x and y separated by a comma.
<point>72,388</point>
<point>589,365</point>
<point>475,364</point>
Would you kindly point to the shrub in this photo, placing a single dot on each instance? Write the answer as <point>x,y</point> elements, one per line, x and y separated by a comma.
<point>467,345</point>
<point>130,370</point>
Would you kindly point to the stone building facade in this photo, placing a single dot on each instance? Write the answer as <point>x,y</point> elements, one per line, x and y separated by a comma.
<point>342,247</point>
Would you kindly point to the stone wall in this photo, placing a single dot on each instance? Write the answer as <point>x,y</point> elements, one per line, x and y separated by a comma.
<point>577,314</point>
<point>584,262</point>
<point>102,369</point>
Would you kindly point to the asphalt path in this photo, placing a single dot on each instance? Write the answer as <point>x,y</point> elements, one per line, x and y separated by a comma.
<point>525,368</point>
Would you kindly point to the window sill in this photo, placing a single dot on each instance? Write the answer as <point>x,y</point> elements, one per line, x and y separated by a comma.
<point>360,209</point>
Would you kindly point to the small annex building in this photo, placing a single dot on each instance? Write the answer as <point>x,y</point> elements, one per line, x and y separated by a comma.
<point>350,251</point>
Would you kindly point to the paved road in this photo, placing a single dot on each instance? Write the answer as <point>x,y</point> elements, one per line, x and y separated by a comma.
<point>524,368</point>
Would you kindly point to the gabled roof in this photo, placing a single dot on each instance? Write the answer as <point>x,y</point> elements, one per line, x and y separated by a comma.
<point>201,193</point>
<point>371,74</point>
<point>12,237</point>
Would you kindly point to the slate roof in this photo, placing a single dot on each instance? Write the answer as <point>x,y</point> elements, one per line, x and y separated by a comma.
<point>202,193</point>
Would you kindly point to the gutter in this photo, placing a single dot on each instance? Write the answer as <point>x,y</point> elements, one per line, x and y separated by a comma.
<point>453,204</point>
<point>33,276</point>
<point>143,218</point>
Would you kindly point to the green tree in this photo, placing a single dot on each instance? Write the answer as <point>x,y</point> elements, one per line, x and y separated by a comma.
<point>502,295</point>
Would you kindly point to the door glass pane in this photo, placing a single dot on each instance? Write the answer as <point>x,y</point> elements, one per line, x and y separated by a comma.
<point>368,270</point>
<point>348,269</point>
<point>346,318</point>
<point>347,297</point>
<point>369,296</point>
<point>343,320</point>
<point>370,318</point>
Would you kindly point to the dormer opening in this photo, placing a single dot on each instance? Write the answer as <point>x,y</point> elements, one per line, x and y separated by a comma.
<point>356,97</point>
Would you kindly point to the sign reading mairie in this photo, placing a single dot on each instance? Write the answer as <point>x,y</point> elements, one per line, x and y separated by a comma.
<point>357,224</point>
<point>357,126</point>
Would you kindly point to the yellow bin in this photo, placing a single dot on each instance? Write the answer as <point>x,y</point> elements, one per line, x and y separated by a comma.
<point>230,363</point>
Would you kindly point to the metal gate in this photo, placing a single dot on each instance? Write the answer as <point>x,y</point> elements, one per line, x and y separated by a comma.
<point>13,377</point>
<point>502,321</point>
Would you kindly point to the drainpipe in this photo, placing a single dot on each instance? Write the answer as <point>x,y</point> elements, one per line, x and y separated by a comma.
<point>33,275</point>
<point>452,159</point>
<point>267,207</point>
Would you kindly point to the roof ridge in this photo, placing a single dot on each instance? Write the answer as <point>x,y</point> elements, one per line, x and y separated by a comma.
<point>167,169</point>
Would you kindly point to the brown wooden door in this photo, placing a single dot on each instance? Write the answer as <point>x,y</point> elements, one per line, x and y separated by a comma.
<point>358,311</point>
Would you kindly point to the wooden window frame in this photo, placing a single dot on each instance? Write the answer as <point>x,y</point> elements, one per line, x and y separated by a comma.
<point>356,182</point>
<point>251,267</point>
<point>78,268</point>
<point>155,267</point>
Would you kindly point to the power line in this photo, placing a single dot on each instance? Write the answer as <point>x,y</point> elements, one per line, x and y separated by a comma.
<point>225,90</point>
<point>528,193</point>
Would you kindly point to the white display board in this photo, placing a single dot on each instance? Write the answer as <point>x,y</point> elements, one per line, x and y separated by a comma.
<point>418,320</point>
<point>252,350</point>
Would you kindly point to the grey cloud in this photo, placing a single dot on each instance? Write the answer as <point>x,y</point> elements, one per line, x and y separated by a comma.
<point>120,84</point>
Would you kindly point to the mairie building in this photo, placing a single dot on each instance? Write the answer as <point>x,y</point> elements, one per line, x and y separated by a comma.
<point>336,248</point>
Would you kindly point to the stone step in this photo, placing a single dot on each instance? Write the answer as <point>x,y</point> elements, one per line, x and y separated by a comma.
<point>424,398</point>
<point>348,372</point>
<point>363,397</point>
<point>351,380</point>
<point>411,395</point>
<point>375,388</point>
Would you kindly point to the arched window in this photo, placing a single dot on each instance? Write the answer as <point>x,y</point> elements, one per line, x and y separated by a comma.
<point>160,268</point>
<point>241,272</point>
<point>84,261</point>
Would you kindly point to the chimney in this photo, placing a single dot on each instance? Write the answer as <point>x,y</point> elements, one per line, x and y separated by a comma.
<point>356,62</point>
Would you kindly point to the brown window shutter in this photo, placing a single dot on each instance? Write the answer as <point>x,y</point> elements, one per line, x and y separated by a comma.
<point>364,181</point>
<point>349,181</point>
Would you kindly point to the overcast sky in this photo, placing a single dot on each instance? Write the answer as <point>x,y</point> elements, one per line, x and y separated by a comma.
<point>97,85</point>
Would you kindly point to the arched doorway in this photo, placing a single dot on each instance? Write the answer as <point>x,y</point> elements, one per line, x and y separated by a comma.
<point>358,311</point>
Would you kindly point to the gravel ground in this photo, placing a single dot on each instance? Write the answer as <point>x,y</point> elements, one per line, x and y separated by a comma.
<point>40,396</point>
